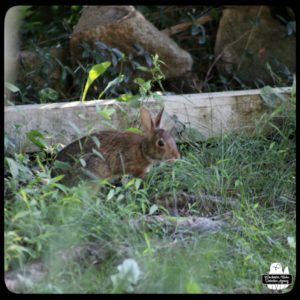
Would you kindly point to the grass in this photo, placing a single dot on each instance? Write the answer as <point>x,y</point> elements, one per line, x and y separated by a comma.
<point>82,235</point>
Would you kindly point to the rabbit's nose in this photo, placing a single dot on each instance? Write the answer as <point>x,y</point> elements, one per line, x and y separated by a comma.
<point>171,161</point>
<point>176,155</point>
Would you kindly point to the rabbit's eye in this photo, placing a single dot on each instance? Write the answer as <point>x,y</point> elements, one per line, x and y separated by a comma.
<point>160,143</point>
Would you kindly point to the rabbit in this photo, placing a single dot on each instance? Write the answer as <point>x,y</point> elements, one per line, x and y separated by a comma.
<point>111,154</point>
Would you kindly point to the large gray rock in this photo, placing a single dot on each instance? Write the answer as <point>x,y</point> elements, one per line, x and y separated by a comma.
<point>249,39</point>
<point>122,27</point>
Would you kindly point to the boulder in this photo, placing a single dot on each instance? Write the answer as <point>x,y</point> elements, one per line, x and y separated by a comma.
<point>121,27</point>
<point>41,69</point>
<point>253,45</point>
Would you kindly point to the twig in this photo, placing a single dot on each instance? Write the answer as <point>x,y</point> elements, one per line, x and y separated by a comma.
<point>183,26</point>
<point>221,54</point>
<point>250,36</point>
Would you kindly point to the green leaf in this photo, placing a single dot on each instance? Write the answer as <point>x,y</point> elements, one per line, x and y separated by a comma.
<point>130,183</point>
<point>277,111</point>
<point>94,73</point>
<point>106,112</point>
<point>116,81</point>
<point>37,138</point>
<point>291,27</point>
<point>196,29</point>
<point>98,154</point>
<point>139,81</point>
<point>96,141</point>
<point>75,127</point>
<point>134,129</point>
<point>62,187</point>
<point>193,134</point>
<point>13,167</point>
<point>57,178</point>
<point>158,96</point>
<point>135,102</point>
<point>120,197</point>
<point>149,60</point>
<point>271,96</point>
<point>89,174</point>
<point>82,161</point>
<point>144,69</point>
<point>291,242</point>
<point>293,92</point>
<point>193,288</point>
<point>20,215</point>
<point>138,183</point>
<point>110,194</point>
<point>125,97</point>
<point>255,206</point>
<point>153,209</point>
<point>12,87</point>
<point>61,165</point>
<point>47,94</point>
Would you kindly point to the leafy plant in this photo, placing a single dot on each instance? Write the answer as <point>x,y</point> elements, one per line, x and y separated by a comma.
<point>156,76</point>
<point>37,138</point>
<point>94,73</point>
<point>47,95</point>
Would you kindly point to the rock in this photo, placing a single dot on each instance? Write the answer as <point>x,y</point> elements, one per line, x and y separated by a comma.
<point>29,275</point>
<point>182,224</point>
<point>187,83</point>
<point>121,27</point>
<point>248,39</point>
<point>41,70</point>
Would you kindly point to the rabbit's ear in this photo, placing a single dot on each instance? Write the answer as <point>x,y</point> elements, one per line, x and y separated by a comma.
<point>146,119</point>
<point>158,118</point>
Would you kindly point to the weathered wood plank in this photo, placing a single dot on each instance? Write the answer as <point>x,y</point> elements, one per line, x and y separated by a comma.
<point>211,113</point>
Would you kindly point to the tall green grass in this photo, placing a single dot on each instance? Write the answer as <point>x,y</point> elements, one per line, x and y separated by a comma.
<point>83,234</point>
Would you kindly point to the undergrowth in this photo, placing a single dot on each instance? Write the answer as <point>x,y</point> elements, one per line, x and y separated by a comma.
<point>84,234</point>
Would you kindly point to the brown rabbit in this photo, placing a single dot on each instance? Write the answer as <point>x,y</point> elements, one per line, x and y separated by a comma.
<point>110,154</point>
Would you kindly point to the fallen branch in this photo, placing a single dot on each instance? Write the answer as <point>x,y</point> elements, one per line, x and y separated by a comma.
<point>184,26</point>
<point>199,224</point>
<point>182,199</point>
<point>221,54</point>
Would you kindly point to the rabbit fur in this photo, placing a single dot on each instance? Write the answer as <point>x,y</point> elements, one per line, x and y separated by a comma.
<point>119,153</point>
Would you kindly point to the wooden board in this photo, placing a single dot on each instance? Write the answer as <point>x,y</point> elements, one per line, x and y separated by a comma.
<point>212,114</point>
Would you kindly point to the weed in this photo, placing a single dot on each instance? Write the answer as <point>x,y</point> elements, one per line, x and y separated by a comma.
<point>83,234</point>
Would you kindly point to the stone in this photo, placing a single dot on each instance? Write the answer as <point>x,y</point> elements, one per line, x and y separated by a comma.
<point>248,40</point>
<point>121,27</point>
